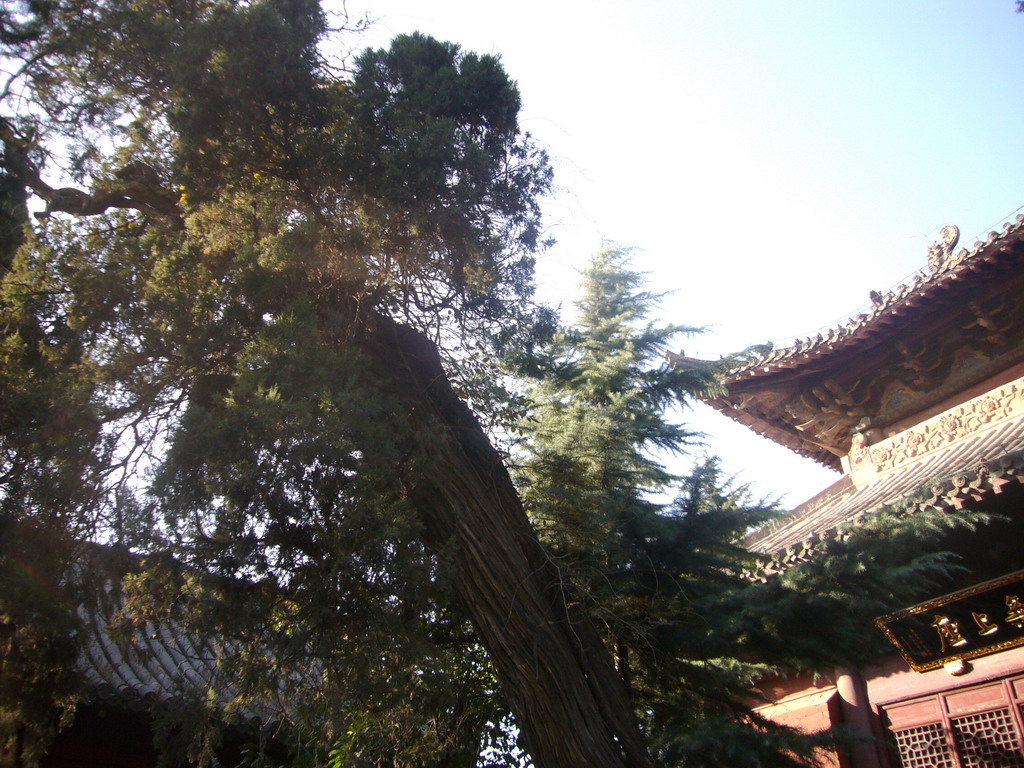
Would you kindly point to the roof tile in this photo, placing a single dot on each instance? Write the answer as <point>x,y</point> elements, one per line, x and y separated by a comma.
<point>890,303</point>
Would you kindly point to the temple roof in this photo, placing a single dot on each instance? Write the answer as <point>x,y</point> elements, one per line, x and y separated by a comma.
<point>920,344</point>
<point>886,307</point>
<point>959,473</point>
<point>157,664</point>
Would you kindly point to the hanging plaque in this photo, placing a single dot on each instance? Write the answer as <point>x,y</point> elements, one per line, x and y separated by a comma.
<point>982,619</point>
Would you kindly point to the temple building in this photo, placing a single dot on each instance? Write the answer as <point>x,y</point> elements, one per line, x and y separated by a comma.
<point>923,391</point>
<point>129,681</point>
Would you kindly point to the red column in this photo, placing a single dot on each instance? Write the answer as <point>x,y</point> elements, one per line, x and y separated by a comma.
<point>857,715</point>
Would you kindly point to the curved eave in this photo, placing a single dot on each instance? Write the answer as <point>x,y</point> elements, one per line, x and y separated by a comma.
<point>788,438</point>
<point>895,307</point>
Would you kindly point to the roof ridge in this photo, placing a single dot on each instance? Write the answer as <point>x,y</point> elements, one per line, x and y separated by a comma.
<point>944,264</point>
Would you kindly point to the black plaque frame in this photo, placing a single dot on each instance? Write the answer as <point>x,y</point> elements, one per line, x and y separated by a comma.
<point>977,621</point>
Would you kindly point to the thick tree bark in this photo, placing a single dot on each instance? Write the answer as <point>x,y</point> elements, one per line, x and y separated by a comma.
<point>568,700</point>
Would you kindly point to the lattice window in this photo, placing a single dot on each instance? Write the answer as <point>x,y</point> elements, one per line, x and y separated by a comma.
<point>988,740</point>
<point>924,747</point>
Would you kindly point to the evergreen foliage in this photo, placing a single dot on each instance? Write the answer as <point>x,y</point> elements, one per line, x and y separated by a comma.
<point>38,685</point>
<point>231,333</point>
<point>668,581</point>
<point>240,340</point>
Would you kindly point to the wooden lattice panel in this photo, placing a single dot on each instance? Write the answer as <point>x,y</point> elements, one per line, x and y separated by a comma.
<point>988,740</point>
<point>924,747</point>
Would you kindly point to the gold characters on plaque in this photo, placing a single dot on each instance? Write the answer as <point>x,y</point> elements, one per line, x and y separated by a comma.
<point>1015,611</point>
<point>985,625</point>
<point>953,637</point>
<point>984,619</point>
<point>949,632</point>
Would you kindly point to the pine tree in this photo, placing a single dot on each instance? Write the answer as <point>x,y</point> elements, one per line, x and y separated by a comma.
<point>592,471</point>
<point>666,578</point>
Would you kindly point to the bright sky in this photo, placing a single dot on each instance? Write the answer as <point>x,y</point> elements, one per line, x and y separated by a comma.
<point>772,162</point>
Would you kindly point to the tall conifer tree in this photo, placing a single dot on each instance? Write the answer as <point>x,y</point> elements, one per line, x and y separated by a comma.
<point>658,560</point>
<point>602,415</point>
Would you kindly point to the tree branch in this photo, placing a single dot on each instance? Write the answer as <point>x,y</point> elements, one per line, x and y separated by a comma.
<point>139,188</point>
<point>137,185</point>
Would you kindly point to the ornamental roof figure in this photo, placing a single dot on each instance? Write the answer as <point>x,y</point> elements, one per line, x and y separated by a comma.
<point>926,387</point>
<point>917,345</point>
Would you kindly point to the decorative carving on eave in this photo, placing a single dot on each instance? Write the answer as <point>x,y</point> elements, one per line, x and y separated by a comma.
<point>921,366</point>
<point>868,462</point>
<point>960,363</point>
<point>988,321</point>
<point>826,412</point>
<point>900,377</point>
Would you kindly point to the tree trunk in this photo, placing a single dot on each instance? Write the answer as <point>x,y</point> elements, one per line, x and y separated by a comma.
<point>569,702</point>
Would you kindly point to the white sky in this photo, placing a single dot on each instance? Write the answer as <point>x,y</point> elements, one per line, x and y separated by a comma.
<point>772,161</point>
